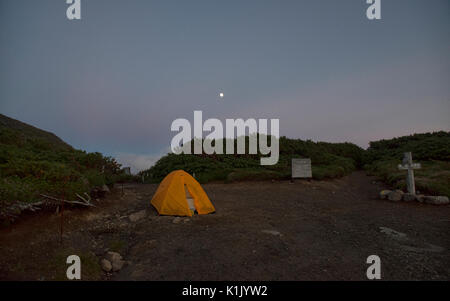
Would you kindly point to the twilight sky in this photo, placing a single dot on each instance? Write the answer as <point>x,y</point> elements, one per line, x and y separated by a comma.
<point>115,80</point>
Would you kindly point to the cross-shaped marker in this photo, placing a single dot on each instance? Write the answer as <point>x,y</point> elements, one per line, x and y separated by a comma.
<point>410,166</point>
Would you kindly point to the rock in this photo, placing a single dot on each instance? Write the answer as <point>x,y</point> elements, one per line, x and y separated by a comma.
<point>395,195</point>
<point>106,265</point>
<point>420,198</point>
<point>117,266</point>
<point>273,232</point>
<point>392,233</point>
<point>115,259</point>
<point>384,194</point>
<point>105,188</point>
<point>436,200</point>
<point>176,220</point>
<point>113,256</point>
<point>408,197</point>
<point>138,215</point>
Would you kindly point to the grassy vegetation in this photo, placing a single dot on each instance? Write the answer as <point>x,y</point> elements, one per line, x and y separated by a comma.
<point>432,150</point>
<point>34,162</point>
<point>55,270</point>
<point>329,160</point>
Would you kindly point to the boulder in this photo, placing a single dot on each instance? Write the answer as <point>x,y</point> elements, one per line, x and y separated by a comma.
<point>384,194</point>
<point>408,197</point>
<point>395,195</point>
<point>106,265</point>
<point>436,200</point>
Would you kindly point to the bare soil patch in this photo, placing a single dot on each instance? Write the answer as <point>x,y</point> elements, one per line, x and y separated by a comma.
<point>309,230</point>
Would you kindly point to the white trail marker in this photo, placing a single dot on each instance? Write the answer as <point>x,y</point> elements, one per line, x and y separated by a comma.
<point>408,165</point>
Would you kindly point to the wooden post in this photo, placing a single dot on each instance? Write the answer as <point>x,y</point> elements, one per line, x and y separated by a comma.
<point>410,178</point>
<point>409,166</point>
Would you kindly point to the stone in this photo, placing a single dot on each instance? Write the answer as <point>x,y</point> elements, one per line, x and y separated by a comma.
<point>420,198</point>
<point>408,197</point>
<point>134,217</point>
<point>113,256</point>
<point>273,232</point>
<point>395,195</point>
<point>106,265</point>
<point>105,188</point>
<point>115,259</point>
<point>384,194</point>
<point>117,265</point>
<point>392,233</point>
<point>176,220</point>
<point>436,200</point>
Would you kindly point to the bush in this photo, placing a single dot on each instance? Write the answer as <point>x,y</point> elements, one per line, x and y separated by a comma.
<point>432,150</point>
<point>329,160</point>
<point>34,163</point>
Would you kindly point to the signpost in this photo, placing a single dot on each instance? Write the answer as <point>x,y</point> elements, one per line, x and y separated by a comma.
<point>301,168</point>
<point>408,165</point>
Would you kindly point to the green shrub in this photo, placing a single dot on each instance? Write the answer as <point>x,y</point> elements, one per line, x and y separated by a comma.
<point>34,162</point>
<point>329,160</point>
<point>432,150</point>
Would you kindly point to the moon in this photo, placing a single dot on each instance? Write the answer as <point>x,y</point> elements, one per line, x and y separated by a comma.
<point>221,95</point>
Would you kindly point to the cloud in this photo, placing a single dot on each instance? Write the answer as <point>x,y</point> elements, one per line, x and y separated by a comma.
<point>137,162</point>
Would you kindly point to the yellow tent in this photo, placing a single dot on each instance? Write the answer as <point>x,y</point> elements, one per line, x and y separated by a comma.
<point>170,197</point>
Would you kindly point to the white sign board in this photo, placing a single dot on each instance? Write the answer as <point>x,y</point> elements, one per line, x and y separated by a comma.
<point>409,166</point>
<point>301,168</point>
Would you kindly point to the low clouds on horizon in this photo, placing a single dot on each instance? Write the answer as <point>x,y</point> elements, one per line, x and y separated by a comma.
<point>137,162</point>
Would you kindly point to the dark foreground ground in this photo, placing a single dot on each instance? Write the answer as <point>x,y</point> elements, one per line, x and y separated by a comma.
<point>318,230</point>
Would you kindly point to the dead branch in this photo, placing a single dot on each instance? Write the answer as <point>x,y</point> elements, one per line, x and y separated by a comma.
<point>87,202</point>
<point>68,202</point>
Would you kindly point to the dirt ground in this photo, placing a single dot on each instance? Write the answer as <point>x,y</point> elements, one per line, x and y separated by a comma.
<point>309,230</point>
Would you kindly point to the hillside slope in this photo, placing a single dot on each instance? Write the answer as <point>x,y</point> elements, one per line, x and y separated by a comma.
<point>329,160</point>
<point>35,162</point>
<point>30,132</point>
<point>432,150</point>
